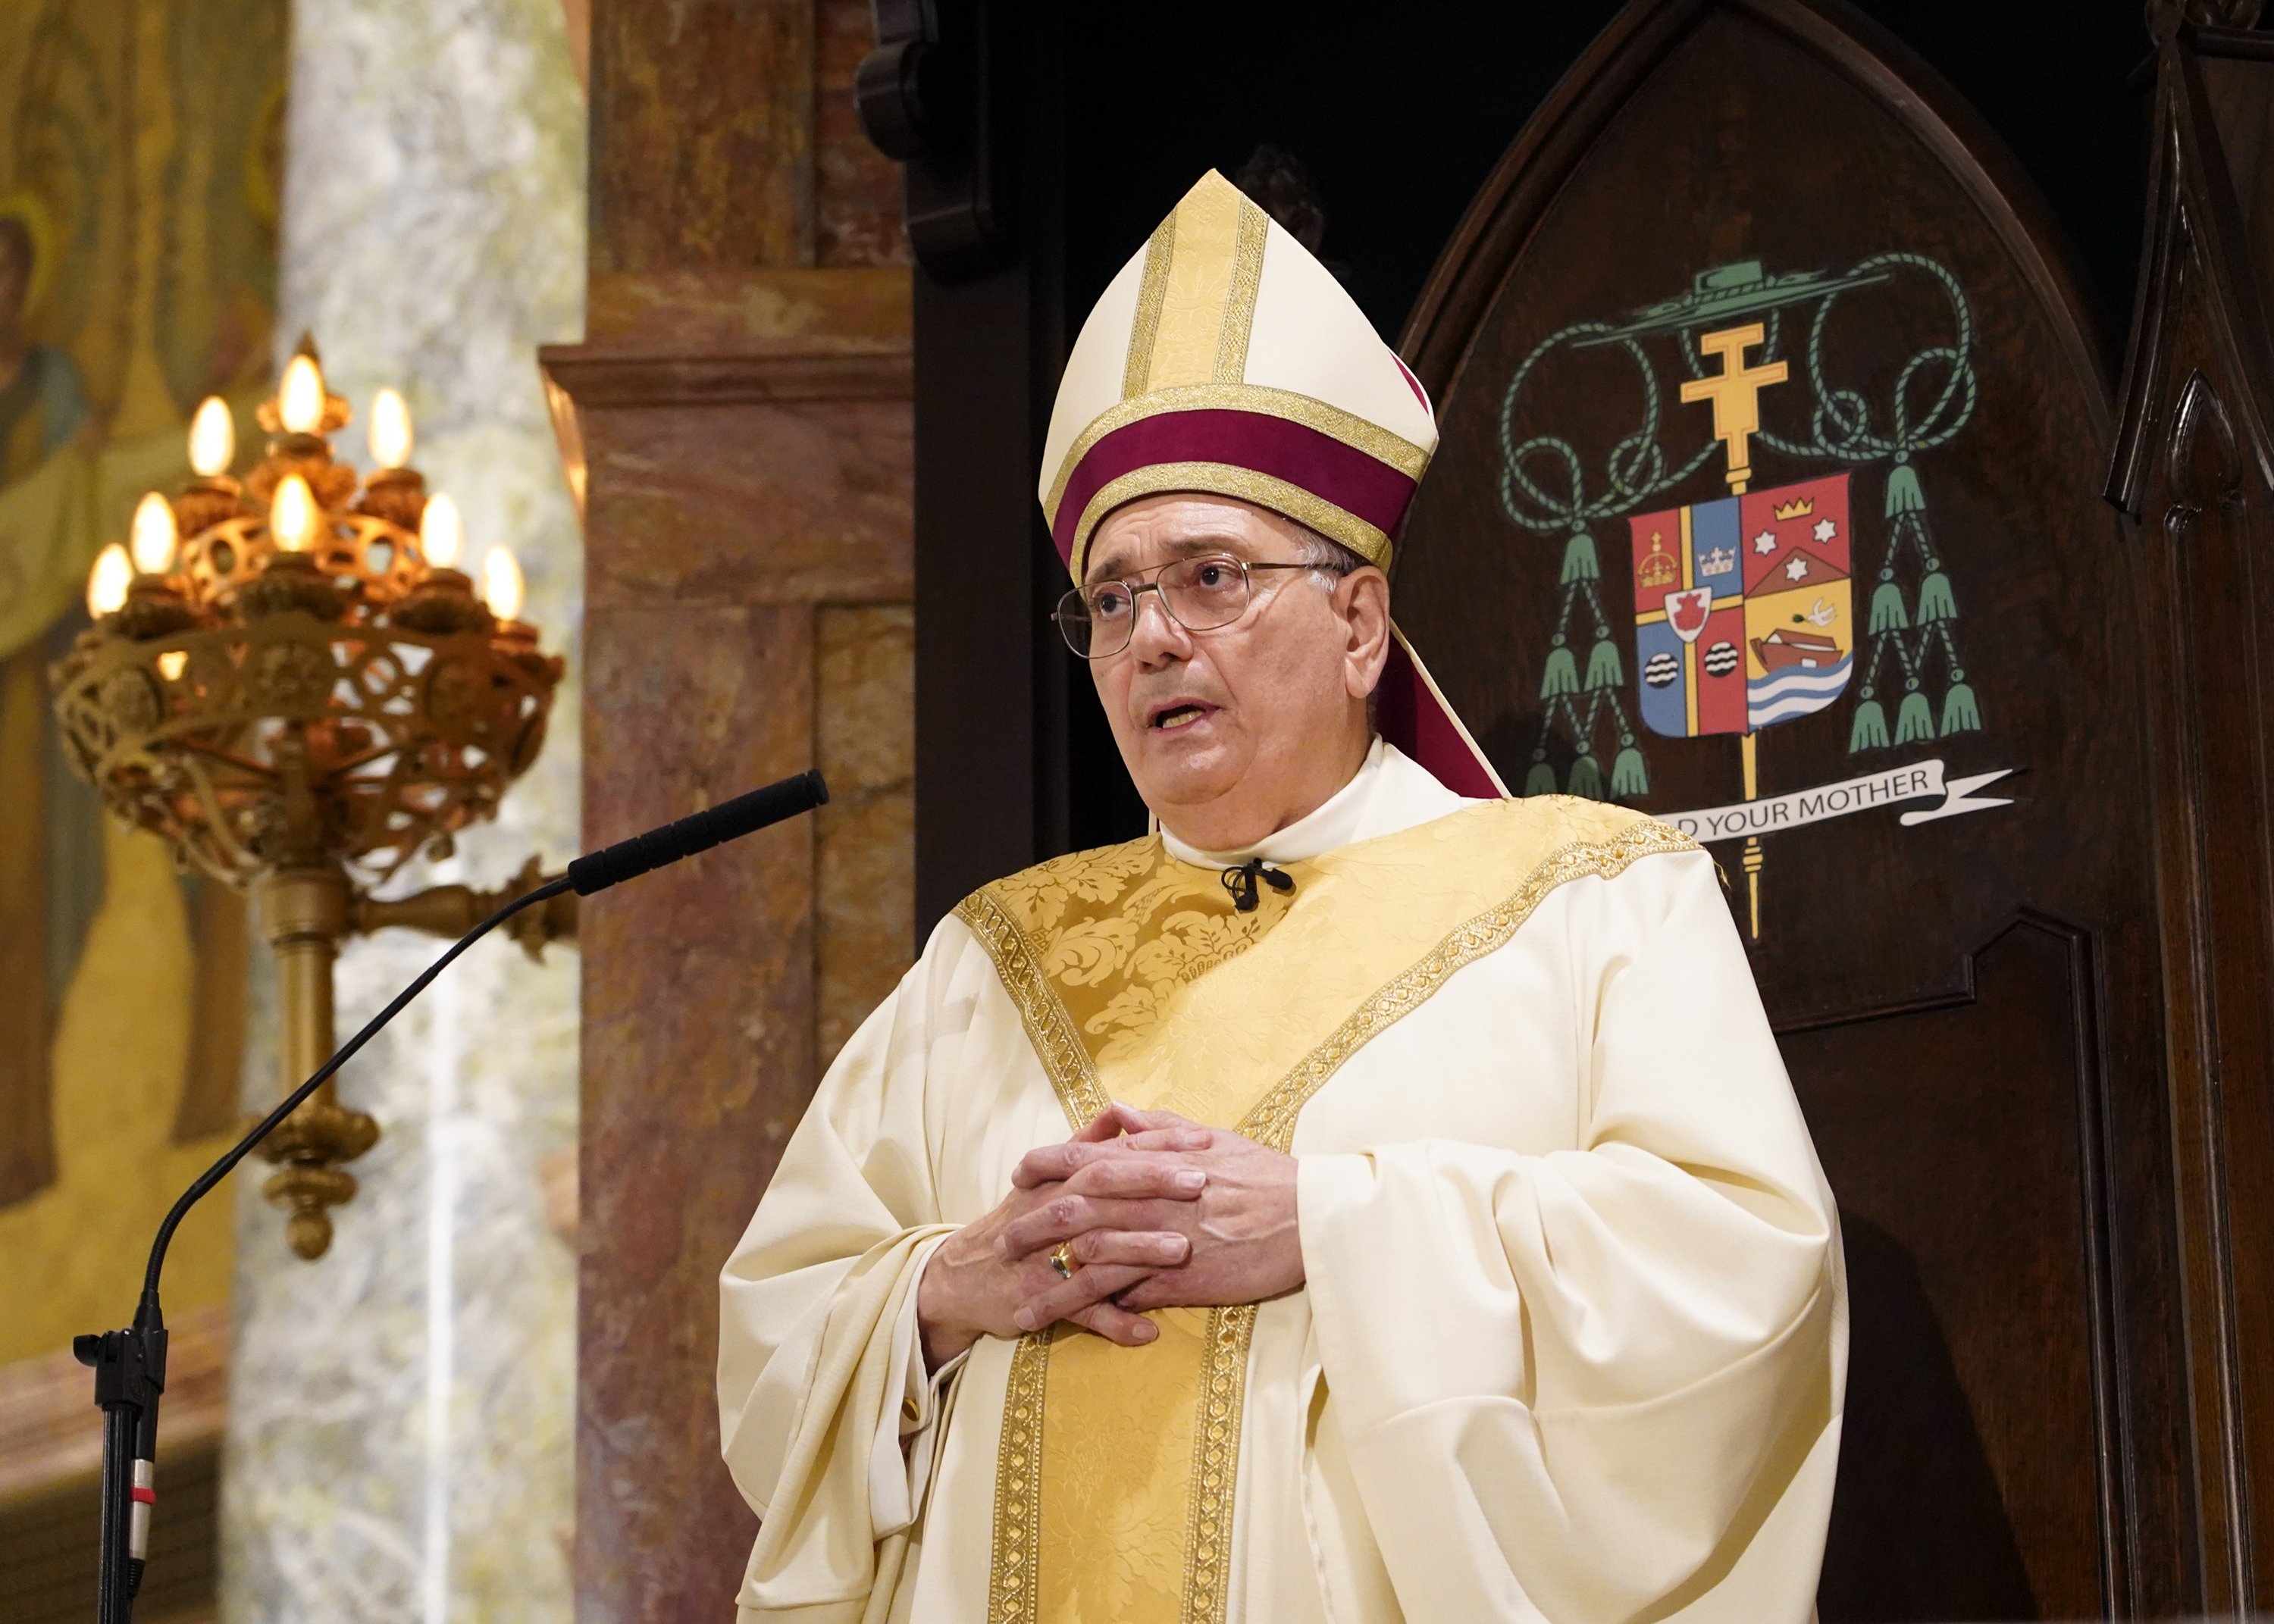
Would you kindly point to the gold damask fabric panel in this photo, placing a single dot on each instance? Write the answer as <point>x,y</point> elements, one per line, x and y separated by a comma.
<point>1066,1061</point>
<point>1147,963</point>
<point>1101,945</point>
<point>1139,980</point>
<point>1273,1120</point>
<point>1113,1523</point>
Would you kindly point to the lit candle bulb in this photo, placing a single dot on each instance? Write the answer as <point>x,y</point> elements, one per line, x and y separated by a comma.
<point>213,439</point>
<point>172,662</point>
<point>442,532</point>
<point>300,395</point>
<point>107,582</point>
<point>390,429</point>
<point>155,536</point>
<point>292,515</point>
<point>501,585</point>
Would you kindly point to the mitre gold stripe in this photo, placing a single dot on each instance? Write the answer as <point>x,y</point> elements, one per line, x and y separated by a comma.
<point>1358,433</point>
<point>1152,288</point>
<point>1197,299</point>
<point>1240,297</point>
<point>1224,479</point>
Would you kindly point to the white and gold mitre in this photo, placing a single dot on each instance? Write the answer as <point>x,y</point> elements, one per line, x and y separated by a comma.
<point>1225,359</point>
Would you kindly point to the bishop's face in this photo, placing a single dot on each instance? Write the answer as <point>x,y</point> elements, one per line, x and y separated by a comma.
<point>1237,731</point>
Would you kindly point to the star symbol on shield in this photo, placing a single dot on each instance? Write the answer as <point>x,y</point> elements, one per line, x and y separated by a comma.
<point>1825,529</point>
<point>1764,543</point>
<point>1797,569</point>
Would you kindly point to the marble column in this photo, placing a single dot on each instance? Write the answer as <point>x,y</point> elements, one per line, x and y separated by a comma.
<point>743,393</point>
<point>399,1439</point>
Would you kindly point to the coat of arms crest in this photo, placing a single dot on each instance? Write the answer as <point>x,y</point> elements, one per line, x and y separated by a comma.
<point>1743,609</point>
<point>1743,605</point>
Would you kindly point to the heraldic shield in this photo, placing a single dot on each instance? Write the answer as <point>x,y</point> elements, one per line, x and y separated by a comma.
<point>1743,613</point>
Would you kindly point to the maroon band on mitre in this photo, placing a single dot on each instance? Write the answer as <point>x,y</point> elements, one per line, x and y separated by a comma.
<point>1362,486</point>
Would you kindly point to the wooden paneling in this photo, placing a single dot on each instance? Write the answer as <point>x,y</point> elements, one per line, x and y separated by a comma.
<point>2193,468</point>
<point>992,677</point>
<point>1983,1408</point>
<point>1971,1007</point>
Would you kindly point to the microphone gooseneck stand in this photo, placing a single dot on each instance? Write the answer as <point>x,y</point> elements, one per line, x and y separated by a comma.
<point>130,1365</point>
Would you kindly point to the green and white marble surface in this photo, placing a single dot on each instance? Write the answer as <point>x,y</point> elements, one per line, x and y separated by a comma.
<point>399,1443</point>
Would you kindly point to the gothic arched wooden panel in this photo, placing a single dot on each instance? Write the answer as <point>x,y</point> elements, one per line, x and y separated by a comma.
<point>1768,500</point>
<point>2193,465</point>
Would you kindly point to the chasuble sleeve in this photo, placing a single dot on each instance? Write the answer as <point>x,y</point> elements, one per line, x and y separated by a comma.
<point>1601,1383</point>
<point>825,1410</point>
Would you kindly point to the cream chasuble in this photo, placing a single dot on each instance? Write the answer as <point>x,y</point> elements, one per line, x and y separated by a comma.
<point>1572,1341</point>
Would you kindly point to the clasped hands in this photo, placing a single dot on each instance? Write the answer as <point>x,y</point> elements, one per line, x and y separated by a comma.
<point>1156,1210</point>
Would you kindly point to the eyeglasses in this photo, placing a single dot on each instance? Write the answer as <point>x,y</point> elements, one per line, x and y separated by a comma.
<point>1199,594</point>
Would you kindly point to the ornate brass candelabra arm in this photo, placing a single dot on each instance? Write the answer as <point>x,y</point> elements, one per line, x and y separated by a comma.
<point>290,683</point>
<point>451,911</point>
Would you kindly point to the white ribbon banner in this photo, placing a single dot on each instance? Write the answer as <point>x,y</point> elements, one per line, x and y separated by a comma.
<point>1915,781</point>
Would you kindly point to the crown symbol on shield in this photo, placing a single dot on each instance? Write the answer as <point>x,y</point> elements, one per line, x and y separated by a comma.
<point>1658,570</point>
<point>1800,510</point>
<point>1719,562</point>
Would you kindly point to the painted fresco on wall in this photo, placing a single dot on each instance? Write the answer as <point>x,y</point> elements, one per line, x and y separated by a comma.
<point>140,156</point>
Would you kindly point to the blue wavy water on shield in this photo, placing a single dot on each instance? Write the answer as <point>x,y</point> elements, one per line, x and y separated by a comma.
<point>1665,684</point>
<point>1795,691</point>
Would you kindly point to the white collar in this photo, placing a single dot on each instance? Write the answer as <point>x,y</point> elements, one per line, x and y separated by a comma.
<point>1389,793</point>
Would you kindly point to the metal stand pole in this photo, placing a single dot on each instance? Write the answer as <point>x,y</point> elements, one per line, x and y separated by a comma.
<point>130,1374</point>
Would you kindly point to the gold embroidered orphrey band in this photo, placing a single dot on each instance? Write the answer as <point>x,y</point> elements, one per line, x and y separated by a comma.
<point>1014,1592</point>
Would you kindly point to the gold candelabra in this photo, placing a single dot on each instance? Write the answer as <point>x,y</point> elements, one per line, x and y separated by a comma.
<point>288,679</point>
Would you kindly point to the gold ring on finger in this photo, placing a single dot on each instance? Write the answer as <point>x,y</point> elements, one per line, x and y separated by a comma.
<point>1062,1260</point>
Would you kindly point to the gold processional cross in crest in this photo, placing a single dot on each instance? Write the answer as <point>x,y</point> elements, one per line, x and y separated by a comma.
<point>1735,394</point>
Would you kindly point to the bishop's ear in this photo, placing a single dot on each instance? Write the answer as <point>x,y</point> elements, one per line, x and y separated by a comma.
<point>1362,599</point>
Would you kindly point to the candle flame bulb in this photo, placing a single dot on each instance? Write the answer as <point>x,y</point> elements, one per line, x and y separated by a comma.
<point>107,582</point>
<point>501,583</point>
<point>292,515</point>
<point>155,536</point>
<point>390,429</point>
<point>213,439</point>
<point>300,395</point>
<point>172,662</point>
<point>442,532</point>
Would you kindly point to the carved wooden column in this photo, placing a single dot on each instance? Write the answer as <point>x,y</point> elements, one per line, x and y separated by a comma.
<point>2193,468</point>
<point>743,399</point>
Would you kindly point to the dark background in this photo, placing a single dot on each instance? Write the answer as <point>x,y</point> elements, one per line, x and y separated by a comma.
<point>1397,114</point>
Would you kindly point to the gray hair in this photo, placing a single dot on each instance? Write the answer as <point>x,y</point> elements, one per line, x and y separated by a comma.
<point>1322,554</point>
<point>1334,561</point>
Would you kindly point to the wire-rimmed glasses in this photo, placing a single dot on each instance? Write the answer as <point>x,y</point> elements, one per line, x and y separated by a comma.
<point>1199,594</point>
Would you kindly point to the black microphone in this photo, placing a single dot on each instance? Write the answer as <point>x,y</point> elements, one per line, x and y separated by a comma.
<point>698,832</point>
<point>130,1365</point>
